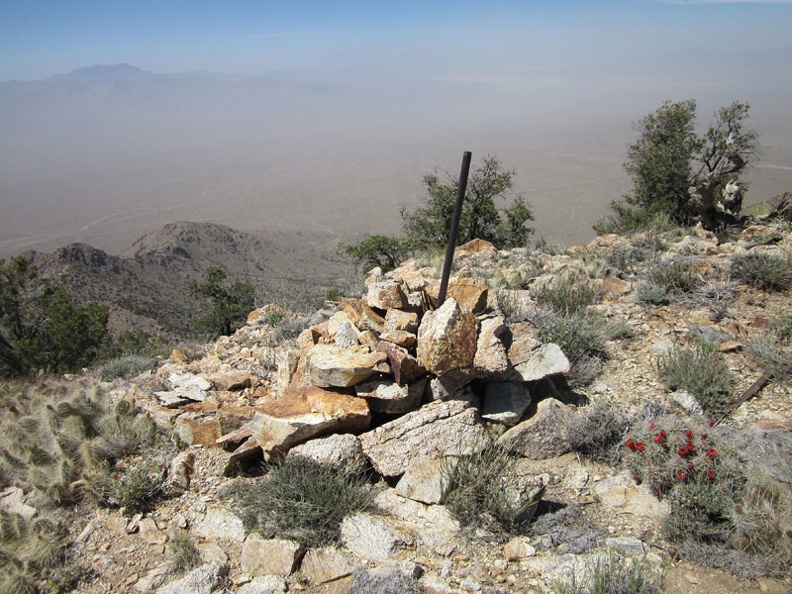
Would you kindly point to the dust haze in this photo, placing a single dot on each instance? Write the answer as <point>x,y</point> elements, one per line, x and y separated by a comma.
<point>104,155</point>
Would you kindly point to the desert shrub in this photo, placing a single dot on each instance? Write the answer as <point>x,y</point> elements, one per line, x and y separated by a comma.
<point>581,336</point>
<point>769,272</point>
<point>613,574</point>
<point>333,294</point>
<point>183,554</point>
<point>653,293</point>
<point>677,275</point>
<point>597,430</point>
<point>476,493</point>
<point>772,357</point>
<point>384,582</point>
<point>715,296</point>
<point>138,487</point>
<point>568,294</point>
<point>302,500</point>
<point>702,371</point>
<point>124,367</point>
<point>762,522</point>
<point>782,328</point>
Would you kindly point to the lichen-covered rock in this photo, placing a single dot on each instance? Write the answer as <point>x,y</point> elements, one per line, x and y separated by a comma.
<point>301,415</point>
<point>447,338</point>
<point>331,365</point>
<point>543,435</point>
<point>447,428</point>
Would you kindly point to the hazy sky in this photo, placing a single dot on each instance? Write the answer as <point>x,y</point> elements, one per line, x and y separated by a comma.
<point>552,87</point>
<point>501,39</point>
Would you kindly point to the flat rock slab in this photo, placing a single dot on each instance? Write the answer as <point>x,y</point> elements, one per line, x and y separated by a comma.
<point>269,556</point>
<point>505,402</point>
<point>443,428</point>
<point>331,365</point>
<point>544,361</point>
<point>339,451</point>
<point>372,538</point>
<point>205,579</point>
<point>389,397</point>
<point>327,564</point>
<point>306,413</point>
<point>543,435</point>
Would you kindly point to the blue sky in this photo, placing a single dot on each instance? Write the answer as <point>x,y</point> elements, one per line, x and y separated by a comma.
<point>42,38</point>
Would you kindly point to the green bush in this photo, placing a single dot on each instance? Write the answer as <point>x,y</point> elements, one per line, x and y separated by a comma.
<point>597,431</point>
<point>568,295</point>
<point>581,336</point>
<point>682,462</point>
<point>782,328</point>
<point>772,357</point>
<point>139,486</point>
<point>676,275</point>
<point>476,492</point>
<point>769,272</point>
<point>183,553</point>
<point>703,372</point>
<point>762,522</point>
<point>653,293</point>
<point>613,574</point>
<point>302,500</point>
<point>124,367</point>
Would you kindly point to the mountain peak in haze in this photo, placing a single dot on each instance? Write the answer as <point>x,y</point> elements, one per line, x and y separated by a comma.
<point>106,73</point>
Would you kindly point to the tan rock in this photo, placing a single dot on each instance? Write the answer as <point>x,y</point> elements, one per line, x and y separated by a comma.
<point>330,365</point>
<point>405,321</point>
<point>400,338</point>
<point>150,532</point>
<point>405,368</point>
<point>303,414</point>
<point>362,315</point>
<point>232,380</point>
<point>198,430</point>
<point>613,285</point>
<point>543,435</point>
<point>546,360</point>
<point>491,357</point>
<point>386,295</point>
<point>478,247</point>
<point>269,557</point>
<point>518,548</point>
<point>470,294</point>
<point>442,428</point>
<point>385,396</point>
<point>447,338</point>
<point>326,565</point>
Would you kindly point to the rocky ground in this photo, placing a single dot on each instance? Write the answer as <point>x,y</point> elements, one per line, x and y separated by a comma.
<point>366,368</point>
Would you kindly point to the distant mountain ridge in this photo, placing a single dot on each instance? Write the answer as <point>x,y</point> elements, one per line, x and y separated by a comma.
<point>105,73</point>
<point>146,286</point>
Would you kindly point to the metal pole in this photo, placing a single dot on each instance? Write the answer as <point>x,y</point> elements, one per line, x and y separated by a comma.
<point>452,236</point>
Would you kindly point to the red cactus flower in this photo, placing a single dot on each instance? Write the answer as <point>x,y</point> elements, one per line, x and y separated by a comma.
<point>688,433</point>
<point>681,475</point>
<point>651,426</point>
<point>711,473</point>
<point>639,445</point>
<point>690,447</point>
<point>712,453</point>
<point>630,444</point>
<point>703,437</point>
<point>711,423</point>
<point>683,451</point>
<point>658,438</point>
